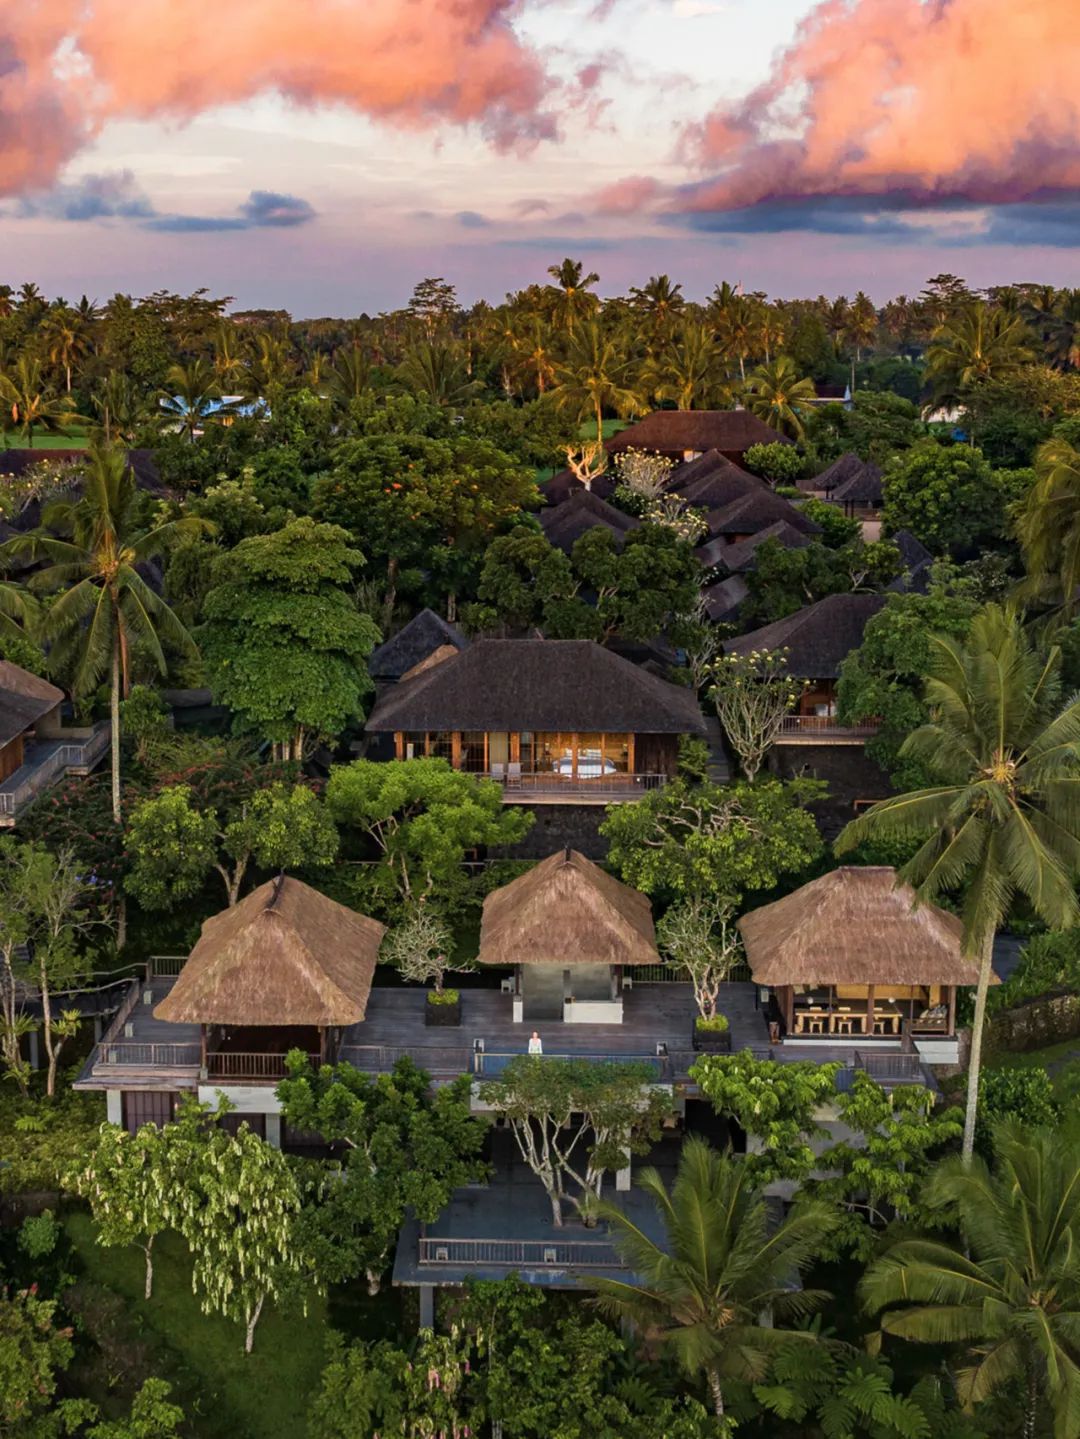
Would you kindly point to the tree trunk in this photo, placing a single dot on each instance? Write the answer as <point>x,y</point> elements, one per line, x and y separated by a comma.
<point>374,1281</point>
<point>1031,1408</point>
<point>253,1319</point>
<point>148,1251</point>
<point>556,1209</point>
<point>114,716</point>
<point>716,1392</point>
<point>121,921</point>
<point>975,1058</point>
<point>46,1028</point>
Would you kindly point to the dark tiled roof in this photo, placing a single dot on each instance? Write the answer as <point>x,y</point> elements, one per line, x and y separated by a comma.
<point>862,489</point>
<point>912,551</point>
<point>675,431</point>
<point>756,511</point>
<point>24,699</point>
<point>712,462</point>
<point>421,637</point>
<point>565,524</point>
<point>715,491</point>
<point>841,472</point>
<point>572,685</point>
<point>743,556</point>
<point>818,638</point>
<point>722,601</point>
<point>562,486</point>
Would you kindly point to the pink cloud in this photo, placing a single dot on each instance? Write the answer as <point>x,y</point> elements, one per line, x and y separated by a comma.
<point>964,99</point>
<point>410,63</point>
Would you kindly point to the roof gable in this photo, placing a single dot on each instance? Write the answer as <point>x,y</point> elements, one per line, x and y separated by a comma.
<point>567,911</point>
<point>756,510</point>
<point>415,642</point>
<point>515,685</point>
<point>583,511</point>
<point>24,699</point>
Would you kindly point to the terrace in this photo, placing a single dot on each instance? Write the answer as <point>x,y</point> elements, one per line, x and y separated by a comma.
<point>45,761</point>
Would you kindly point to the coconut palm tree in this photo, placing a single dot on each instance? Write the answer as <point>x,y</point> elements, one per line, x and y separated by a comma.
<point>688,370</point>
<point>775,392</point>
<point>721,1273</point>
<point>1048,526</point>
<point>571,296</point>
<point>1010,1290</point>
<point>191,396</point>
<point>737,328</point>
<point>979,342</point>
<point>121,408</point>
<point>19,611</point>
<point>104,608</point>
<point>660,303</point>
<point>594,376</point>
<point>65,339</point>
<point>34,405</point>
<point>349,376</point>
<point>1004,817</point>
<point>435,370</point>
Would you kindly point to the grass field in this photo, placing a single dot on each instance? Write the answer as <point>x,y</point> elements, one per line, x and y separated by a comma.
<point>76,439</point>
<point>225,1393</point>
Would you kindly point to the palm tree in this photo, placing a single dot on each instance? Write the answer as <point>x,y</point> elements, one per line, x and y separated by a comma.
<point>349,376</point>
<point>34,406</point>
<point>736,326</point>
<point>229,363</point>
<point>435,370</point>
<point>1048,525</point>
<point>688,370</point>
<point>121,407</point>
<point>1004,818</point>
<point>105,607</point>
<point>660,302</point>
<point>19,611</point>
<point>191,397</point>
<point>595,376</point>
<point>536,356</point>
<point>571,299</point>
<point>774,392</point>
<point>1065,333</point>
<point>1010,1291</point>
<point>706,1291</point>
<point>65,339</point>
<point>977,343</point>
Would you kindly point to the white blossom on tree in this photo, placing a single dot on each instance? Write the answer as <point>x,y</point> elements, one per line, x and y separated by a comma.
<point>753,694</point>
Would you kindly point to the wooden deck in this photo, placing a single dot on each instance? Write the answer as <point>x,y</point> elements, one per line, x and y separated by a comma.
<point>144,1052</point>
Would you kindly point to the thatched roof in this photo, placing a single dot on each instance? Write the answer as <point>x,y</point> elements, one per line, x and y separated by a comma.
<point>567,911</point>
<point>566,523</point>
<point>674,432</point>
<point>855,925</point>
<point>742,554</point>
<point>24,699</point>
<point>837,473</point>
<point>723,600</point>
<point>285,955</point>
<point>567,685</point>
<point>415,642</point>
<point>818,638</point>
<point>756,511</point>
<point>711,465</point>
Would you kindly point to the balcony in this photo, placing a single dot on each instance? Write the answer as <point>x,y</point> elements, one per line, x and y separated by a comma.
<point>825,729</point>
<point>45,762</point>
<point>518,1253</point>
<point>552,787</point>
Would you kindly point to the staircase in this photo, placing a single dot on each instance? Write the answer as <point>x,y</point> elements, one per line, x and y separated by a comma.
<point>719,768</point>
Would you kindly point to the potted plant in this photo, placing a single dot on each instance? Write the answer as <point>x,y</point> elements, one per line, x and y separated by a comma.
<point>418,947</point>
<point>712,1034</point>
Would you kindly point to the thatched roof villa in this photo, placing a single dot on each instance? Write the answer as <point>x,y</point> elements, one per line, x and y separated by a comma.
<point>569,929</point>
<point>686,434</point>
<point>851,955</point>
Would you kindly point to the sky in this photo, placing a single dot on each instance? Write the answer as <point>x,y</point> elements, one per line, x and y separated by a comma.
<point>321,157</point>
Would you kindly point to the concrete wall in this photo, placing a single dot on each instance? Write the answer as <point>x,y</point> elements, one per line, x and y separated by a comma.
<point>558,826</point>
<point>845,768</point>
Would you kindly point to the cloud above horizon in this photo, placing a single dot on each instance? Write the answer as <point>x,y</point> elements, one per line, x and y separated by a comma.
<point>119,196</point>
<point>67,67</point>
<point>881,106</point>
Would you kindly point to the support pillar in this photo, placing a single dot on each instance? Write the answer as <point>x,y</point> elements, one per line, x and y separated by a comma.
<point>427,1306</point>
<point>34,1045</point>
<point>114,1106</point>
<point>622,1176</point>
<point>273,1130</point>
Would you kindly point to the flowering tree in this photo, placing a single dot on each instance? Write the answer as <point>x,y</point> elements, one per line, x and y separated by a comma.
<point>642,476</point>
<point>419,946</point>
<point>753,694</point>
<point>699,935</point>
<point>135,1187</point>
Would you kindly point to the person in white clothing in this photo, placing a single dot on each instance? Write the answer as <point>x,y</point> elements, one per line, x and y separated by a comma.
<point>536,1044</point>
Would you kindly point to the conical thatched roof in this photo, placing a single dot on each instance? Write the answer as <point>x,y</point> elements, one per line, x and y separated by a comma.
<point>285,955</point>
<point>855,925</point>
<point>566,911</point>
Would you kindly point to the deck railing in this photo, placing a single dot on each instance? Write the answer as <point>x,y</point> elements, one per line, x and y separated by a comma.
<point>675,974</point>
<point>165,966</point>
<point>132,1054</point>
<point>891,1064</point>
<point>55,760</point>
<point>234,1064</point>
<point>521,1253</point>
<point>827,726</point>
<point>548,784</point>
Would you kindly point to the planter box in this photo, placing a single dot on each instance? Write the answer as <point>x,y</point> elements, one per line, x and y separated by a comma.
<point>712,1041</point>
<point>443,1016</point>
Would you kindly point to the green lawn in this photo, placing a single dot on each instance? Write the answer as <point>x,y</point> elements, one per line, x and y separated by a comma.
<point>76,439</point>
<point>225,1393</point>
<point>1050,1058</point>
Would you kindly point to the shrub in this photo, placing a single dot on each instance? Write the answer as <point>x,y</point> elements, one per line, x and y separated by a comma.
<point>1023,1095</point>
<point>443,996</point>
<point>774,461</point>
<point>712,1024</point>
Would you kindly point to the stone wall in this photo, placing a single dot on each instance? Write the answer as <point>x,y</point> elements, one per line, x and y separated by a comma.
<point>559,826</point>
<point>1047,1019</point>
<point>846,768</point>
